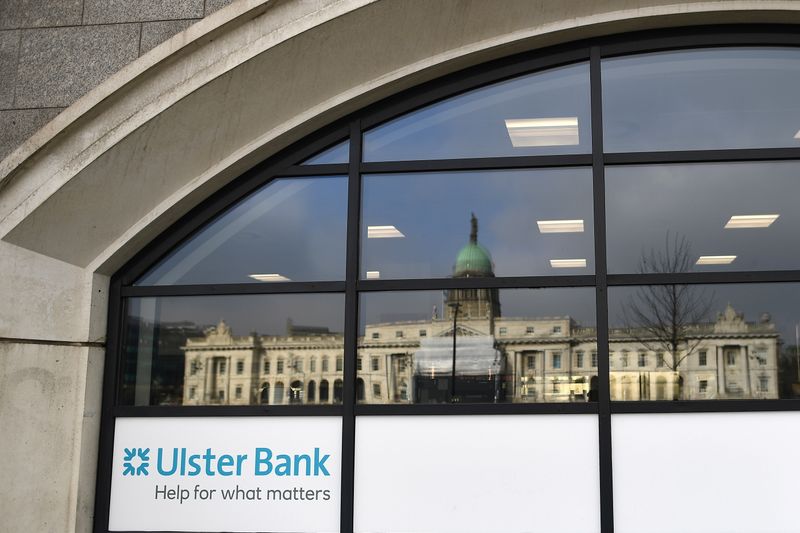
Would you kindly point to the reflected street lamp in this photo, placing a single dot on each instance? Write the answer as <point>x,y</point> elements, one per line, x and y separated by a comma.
<point>455,306</point>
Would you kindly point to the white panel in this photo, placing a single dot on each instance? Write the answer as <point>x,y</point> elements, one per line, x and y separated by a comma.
<point>709,472</point>
<point>482,474</point>
<point>304,497</point>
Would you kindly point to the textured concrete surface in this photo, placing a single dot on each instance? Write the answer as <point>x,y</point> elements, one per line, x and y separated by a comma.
<point>9,50</point>
<point>49,413</point>
<point>18,125</point>
<point>58,65</point>
<point>38,13</point>
<point>108,11</point>
<point>214,5</point>
<point>155,33</point>
<point>45,299</point>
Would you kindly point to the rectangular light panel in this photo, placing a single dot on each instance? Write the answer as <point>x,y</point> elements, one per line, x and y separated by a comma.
<point>269,277</point>
<point>715,259</point>
<point>559,131</point>
<point>373,274</point>
<point>568,263</point>
<point>560,226</point>
<point>751,221</point>
<point>383,232</point>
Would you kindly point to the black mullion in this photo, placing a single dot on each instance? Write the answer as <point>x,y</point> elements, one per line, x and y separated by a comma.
<point>601,297</point>
<point>226,410</point>
<point>328,169</point>
<point>695,278</point>
<point>484,163</point>
<point>705,406</point>
<point>702,156</point>
<point>700,37</point>
<point>475,283</point>
<point>102,497</point>
<point>351,331</point>
<point>476,409</point>
<point>213,289</point>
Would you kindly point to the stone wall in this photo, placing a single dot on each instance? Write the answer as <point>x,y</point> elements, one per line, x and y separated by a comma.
<point>54,51</point>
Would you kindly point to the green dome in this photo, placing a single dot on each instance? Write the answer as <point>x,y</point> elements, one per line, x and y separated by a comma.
<point>473,259</point>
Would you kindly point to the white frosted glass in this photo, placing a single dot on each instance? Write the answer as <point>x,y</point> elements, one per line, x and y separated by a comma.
<point>709,472</point>
<point>466,474</point>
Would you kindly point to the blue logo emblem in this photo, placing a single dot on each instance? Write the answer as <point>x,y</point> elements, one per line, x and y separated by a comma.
<point>134,456</point>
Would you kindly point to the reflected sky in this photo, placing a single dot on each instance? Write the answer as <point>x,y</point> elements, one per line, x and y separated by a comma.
<point>473,124</point>
<point>292,227</point>
<point>645,204</point>
<point>338,153</point>
<point>432,211</point>
<point>702,99</point>
<point>264,314</point>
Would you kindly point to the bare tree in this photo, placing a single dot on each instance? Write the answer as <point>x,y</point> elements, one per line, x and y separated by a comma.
<point>667,318</point>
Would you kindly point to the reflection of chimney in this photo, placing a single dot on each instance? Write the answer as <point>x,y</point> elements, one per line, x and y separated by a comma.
<point>289,327</point>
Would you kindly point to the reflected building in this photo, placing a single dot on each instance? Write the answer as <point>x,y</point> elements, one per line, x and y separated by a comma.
<point>497,358</point>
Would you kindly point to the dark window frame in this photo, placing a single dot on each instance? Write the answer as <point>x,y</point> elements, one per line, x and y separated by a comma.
<point>288,163</point>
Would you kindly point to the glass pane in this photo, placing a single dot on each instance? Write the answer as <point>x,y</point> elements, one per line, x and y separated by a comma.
<point>511,346</point>
<point>339,153</point>
<point>542,113</point>
<point>702,217</point>
<point>289,230</point>
<point>702,99</point>
<point>233,350</point>
<point>477,224</point>
<point>704,342</point>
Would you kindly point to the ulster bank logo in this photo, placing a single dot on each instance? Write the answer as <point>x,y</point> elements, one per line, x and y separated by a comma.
<point>136,461</point>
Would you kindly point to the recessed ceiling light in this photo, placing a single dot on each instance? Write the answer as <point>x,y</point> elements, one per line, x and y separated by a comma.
<point>560,226</point>
<point>568,263</point>
<point>751,221</point>
<point>373,274</point>
<point>715,259</point>
<point>558,131</point>
<point>269,277</point>
<point>383,232</point>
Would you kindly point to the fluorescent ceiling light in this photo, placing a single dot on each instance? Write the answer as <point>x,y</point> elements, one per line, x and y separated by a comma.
<point>751,221</point>
<point>373,274</point>
<point>269,277</point>
<point>383,232</point>
<point>560,226</point>
<point>715,259</point>
<point>561,131</point>
<point>568,263</point>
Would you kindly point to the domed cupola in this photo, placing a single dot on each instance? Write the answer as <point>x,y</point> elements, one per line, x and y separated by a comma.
<point>473,261</point>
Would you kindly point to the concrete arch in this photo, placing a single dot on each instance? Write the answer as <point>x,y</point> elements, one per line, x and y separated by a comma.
<point>128,159</point>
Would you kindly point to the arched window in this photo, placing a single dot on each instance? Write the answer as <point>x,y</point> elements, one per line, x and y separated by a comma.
<point>296,392</point>
<point>323,391</point>
<point>359,390</point>
<point>279,394</point>
<point>337,391</point>
<point>264,394</point>
<point>311,392</point>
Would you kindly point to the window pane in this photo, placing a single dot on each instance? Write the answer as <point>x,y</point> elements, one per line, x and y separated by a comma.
<point>702,217</point>
<point>188,350</point>
<point>529,222</point>
<point>542,113</point>
<point>702,99</point>
<point>289,230</point>
<point>497,360</point>
<point>339,153</point>
<point>716,342</point>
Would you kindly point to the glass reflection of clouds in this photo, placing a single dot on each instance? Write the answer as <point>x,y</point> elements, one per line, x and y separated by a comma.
<point>474,124</point>
<point>511,207</point>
